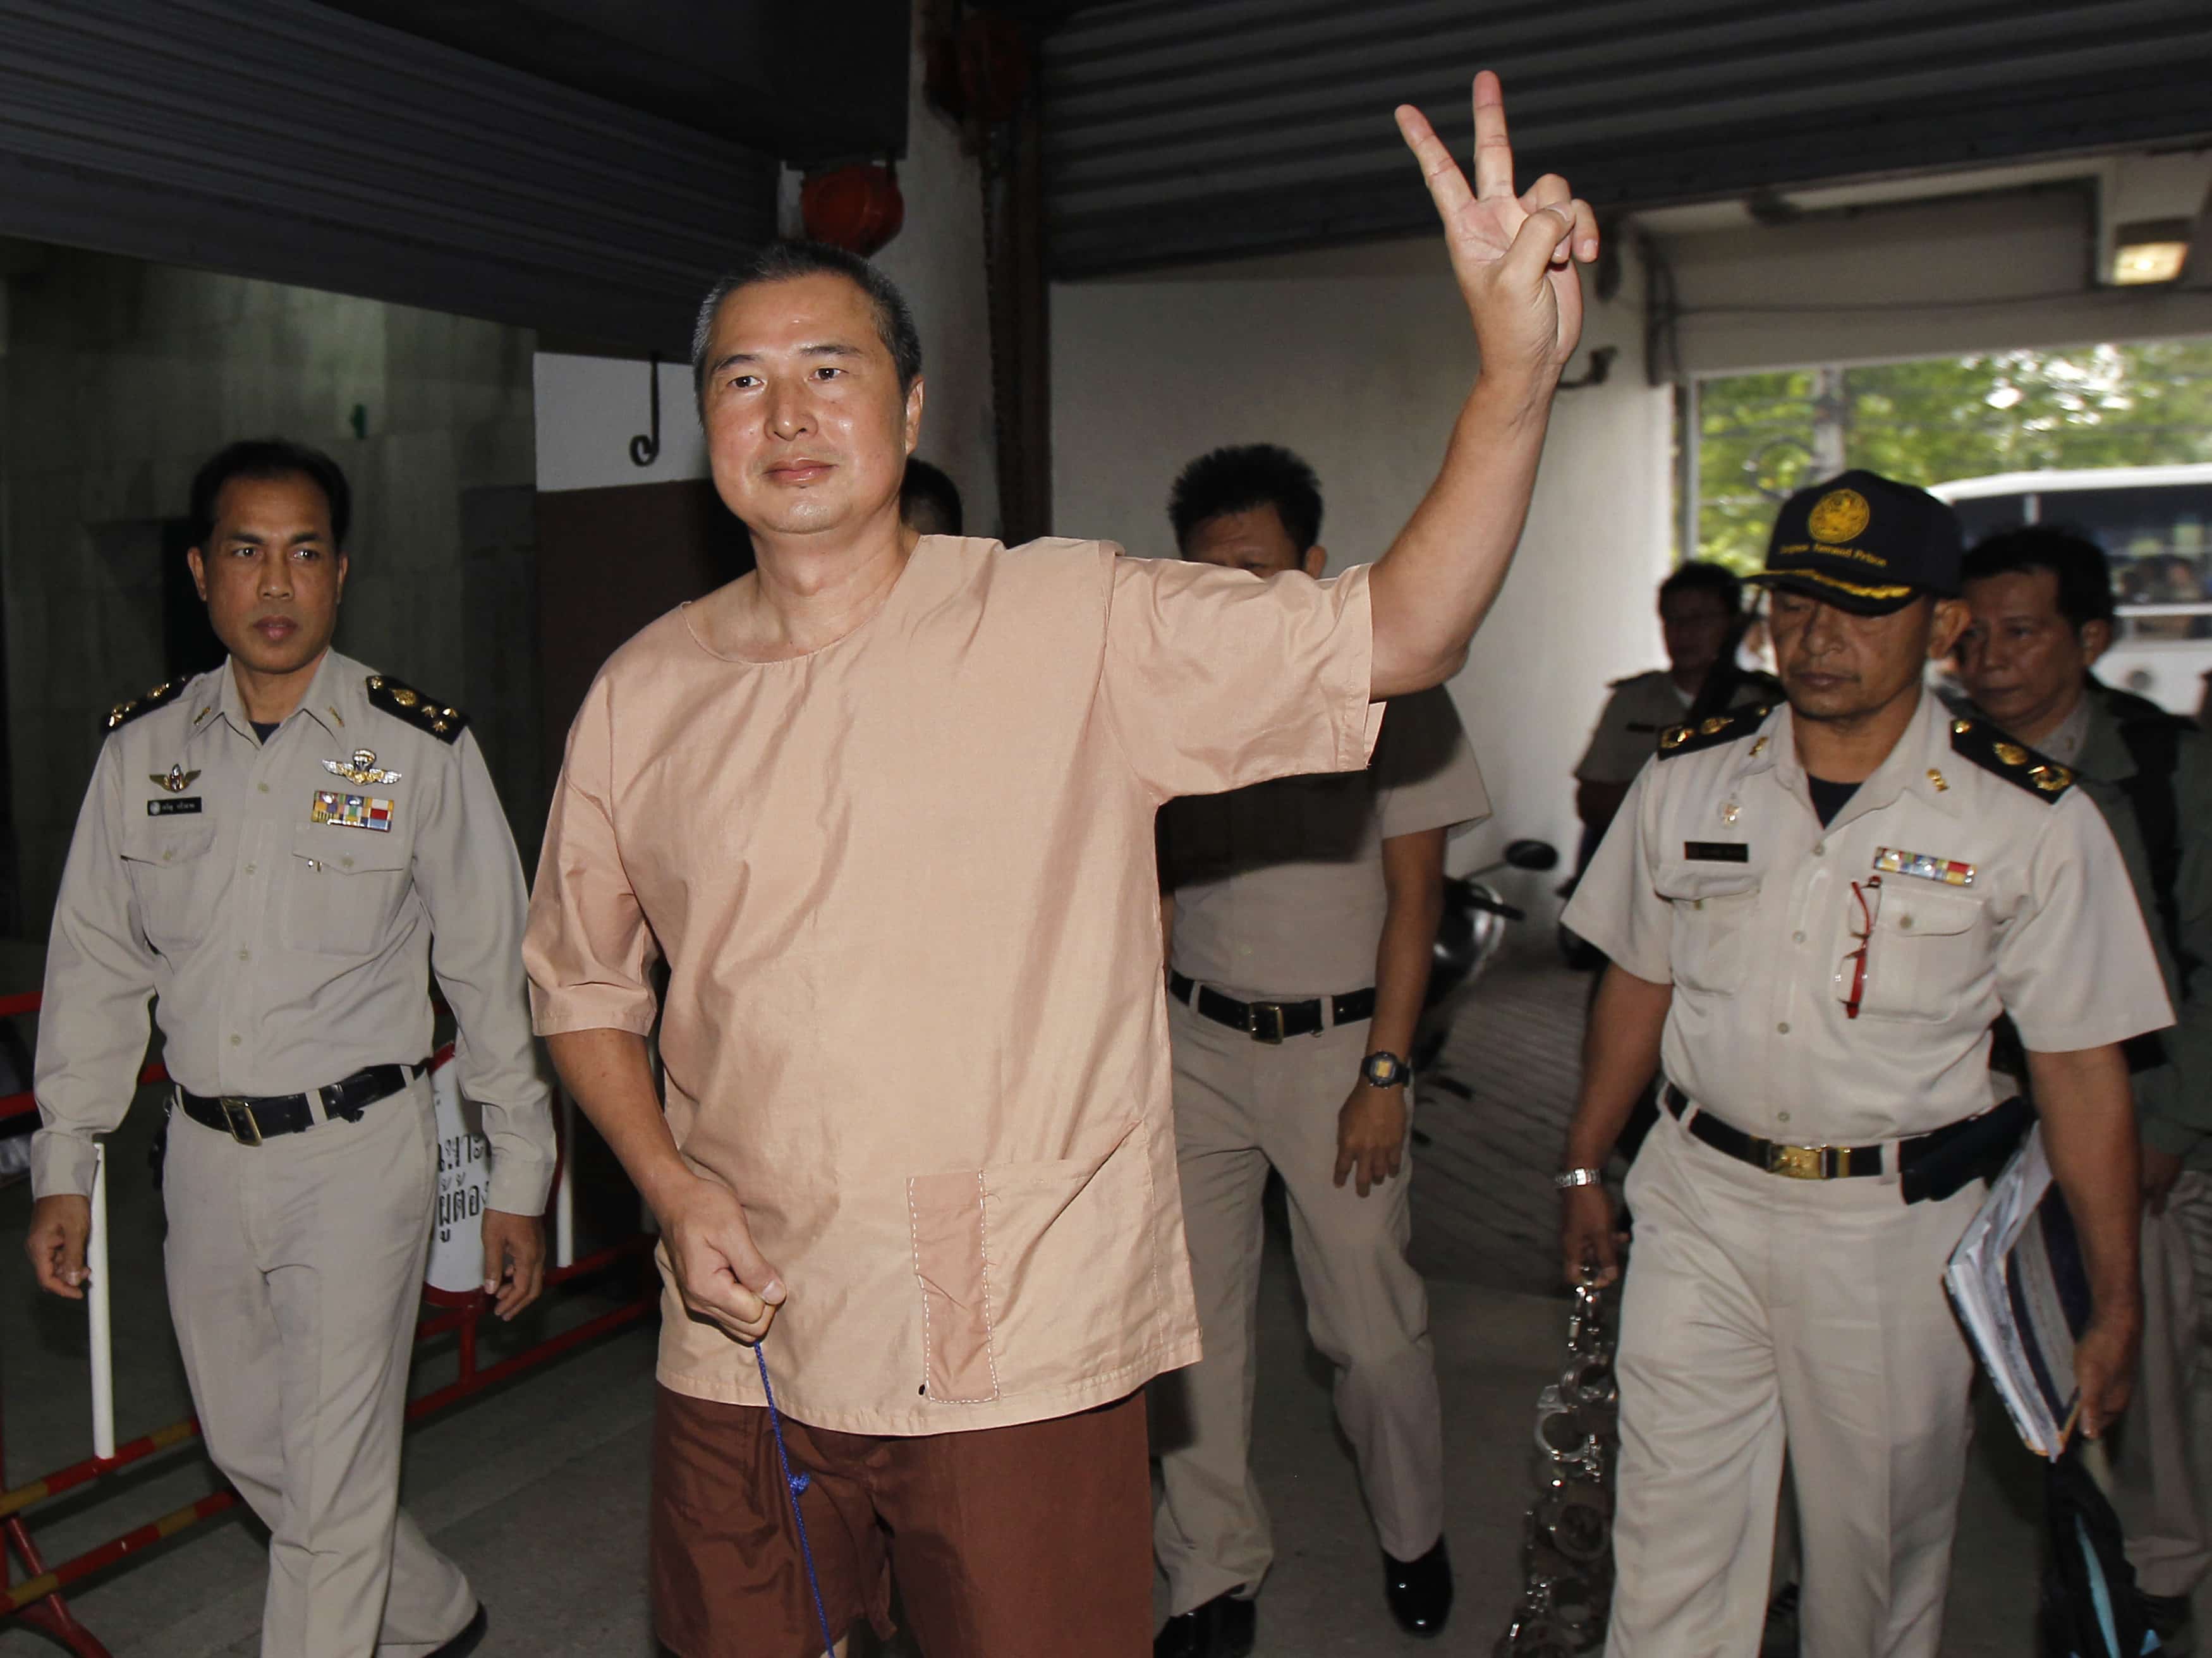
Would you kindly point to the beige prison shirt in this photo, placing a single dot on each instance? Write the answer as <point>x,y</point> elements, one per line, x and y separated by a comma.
<point>283,953</point>
<point>1277,888</point>
<point>1718,878</point>
<point>1641,706</point>
<point>904,888</point>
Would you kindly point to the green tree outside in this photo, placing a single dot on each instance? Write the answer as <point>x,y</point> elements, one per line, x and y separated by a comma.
<point>1940,419</point>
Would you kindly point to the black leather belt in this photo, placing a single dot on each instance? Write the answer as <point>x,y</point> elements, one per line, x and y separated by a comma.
<point>1971,1143</point>
<point>252,1119</point>
<point>1272,1021</point>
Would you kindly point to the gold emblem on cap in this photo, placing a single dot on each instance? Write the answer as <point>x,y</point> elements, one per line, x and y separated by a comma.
<point>2011,753</point>
<point>1839,515</point>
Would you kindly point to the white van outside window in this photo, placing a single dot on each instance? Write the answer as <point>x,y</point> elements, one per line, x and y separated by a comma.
<point>2154,524</point>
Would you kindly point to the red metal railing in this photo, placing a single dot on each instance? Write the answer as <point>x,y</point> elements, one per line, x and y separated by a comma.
<point>37,1598</point>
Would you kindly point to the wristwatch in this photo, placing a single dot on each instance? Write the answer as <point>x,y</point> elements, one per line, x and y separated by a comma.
<point>1384,1070</point>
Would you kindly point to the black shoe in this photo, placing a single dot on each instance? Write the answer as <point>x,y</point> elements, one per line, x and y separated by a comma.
<point>472,1635</point>
<point>2171,1621</point>
<point>1779,1639</point>
<point>1222,1628</point>
<point>1419,1591</point>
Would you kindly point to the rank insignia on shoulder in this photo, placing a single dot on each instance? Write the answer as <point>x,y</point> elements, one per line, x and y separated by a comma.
<point>1949,871</point>
<point>362,768</point>
<point>1710,732</point>
<point>1989,749</point>
<point>351,811</point>
<point>405,703</point>
<point>124,713</point>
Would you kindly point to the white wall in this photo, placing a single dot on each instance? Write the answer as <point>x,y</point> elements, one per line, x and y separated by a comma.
<point>1360,360</point>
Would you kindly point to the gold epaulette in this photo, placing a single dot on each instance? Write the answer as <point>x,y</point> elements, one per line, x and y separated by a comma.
<point>1710,732</point>
<point>124,713</point>
<point>1993,751</point>
<point>405,703</point>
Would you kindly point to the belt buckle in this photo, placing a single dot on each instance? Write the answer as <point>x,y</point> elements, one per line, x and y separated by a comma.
<point>236,1111</point>
<point>1794,1161</point>
<point>1256,1015</point>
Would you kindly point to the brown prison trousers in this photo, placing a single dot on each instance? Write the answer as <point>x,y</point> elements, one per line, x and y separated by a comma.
<point>1006,1541</point>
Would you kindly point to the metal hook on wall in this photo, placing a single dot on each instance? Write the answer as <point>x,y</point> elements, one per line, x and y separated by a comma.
<point>645,448</point>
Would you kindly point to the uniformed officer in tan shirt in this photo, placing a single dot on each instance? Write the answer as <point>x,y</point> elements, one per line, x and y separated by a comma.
<point>279,852</point>
<point>1303,919</point>
<point>1701,617</point>
<point>1813,920</point>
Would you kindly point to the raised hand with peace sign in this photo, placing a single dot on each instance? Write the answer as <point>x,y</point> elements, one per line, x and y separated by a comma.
<point>1514,255</point>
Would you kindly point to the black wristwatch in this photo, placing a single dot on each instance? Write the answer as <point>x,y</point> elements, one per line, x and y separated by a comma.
<point>1383,1070</point>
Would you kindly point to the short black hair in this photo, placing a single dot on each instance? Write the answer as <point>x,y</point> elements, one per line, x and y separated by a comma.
<point>923,481</point>
<point>269,458</point>
<point>1701,575</point>
<point>1243,476</point>
<point>783,262</point>
<point>2085,575</point>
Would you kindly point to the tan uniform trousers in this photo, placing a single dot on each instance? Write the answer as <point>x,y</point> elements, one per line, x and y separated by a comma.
<point>2155,1487</point>
<point>296,1270</point>
<point>1240,1105</point>
<point>1761,1313</point>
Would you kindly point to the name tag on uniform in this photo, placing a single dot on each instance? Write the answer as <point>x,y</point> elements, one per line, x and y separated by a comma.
<point>1949,871</point>
<point>191,803</point>
<point>351,811</point>
<point>1716,852</point>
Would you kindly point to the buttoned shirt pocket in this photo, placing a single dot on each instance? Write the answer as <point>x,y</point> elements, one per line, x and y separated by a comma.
<point>173,877</point>
<point>345,889</point>
<point>1032,1274</point>
<point>1713,907</point>
<point>1927,951</point>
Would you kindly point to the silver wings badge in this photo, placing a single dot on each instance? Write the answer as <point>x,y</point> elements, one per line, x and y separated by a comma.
<point>361,769</point>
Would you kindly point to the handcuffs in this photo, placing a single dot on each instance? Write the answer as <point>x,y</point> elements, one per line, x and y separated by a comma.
<point>1566,1550</point>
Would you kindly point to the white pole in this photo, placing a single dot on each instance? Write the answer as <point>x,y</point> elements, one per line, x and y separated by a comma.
<point>96,1306</point>
<point>564,1190</point>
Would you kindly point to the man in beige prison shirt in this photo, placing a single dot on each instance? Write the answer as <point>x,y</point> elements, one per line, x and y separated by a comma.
<point>883,808</point>
<point>1302,918</point>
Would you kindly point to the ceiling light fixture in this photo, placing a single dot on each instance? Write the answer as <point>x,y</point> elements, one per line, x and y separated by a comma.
<point>2148,250</point>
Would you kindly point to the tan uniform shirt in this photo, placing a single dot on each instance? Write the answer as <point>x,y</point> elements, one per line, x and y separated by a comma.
<point>1640,707</point>
<point>282,952</point>
<point>915,1019</point>
<point>1718,878</point>
<point>1278,887</point>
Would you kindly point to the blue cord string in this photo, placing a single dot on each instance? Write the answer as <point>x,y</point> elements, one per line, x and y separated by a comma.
<point>795,1484</point>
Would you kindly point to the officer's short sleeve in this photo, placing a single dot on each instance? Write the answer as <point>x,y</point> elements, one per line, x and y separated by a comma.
<point>1426,774</point>
<point>2074,966</point>
<point>1617,908</point>
<point>1215,678</point>
<point>1616,753</point>
<point>589,951</point>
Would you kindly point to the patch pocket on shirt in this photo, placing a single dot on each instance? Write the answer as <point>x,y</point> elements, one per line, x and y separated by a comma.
<point>1033,1274</point>
<point>344,890</point>
<point>171,877</point>
<point>1925,955</point>
<point>1713,905</point>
